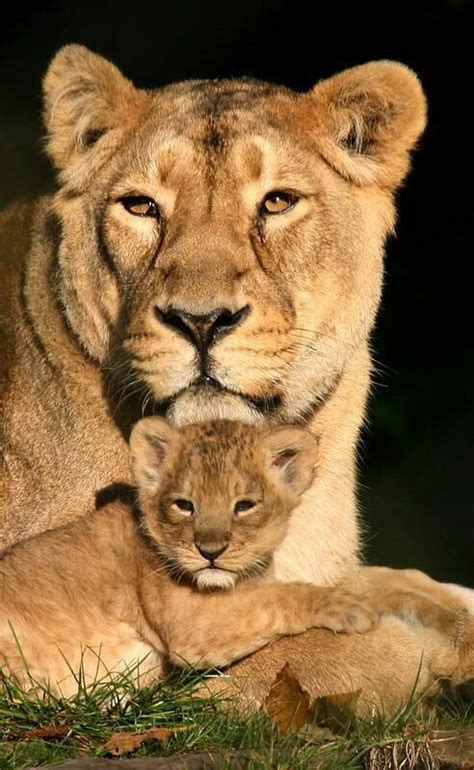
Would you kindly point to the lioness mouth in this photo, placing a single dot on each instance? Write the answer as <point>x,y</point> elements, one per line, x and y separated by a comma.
<point>263,404</point>
<point>207,386</point>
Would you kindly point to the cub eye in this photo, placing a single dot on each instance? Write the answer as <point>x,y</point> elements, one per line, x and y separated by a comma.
<point>184,506</point>
<point>277,202</point>
<point>243,506</point>
<point>140,205</point>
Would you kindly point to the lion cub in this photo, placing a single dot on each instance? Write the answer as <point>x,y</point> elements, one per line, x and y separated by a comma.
<point>181,578</point>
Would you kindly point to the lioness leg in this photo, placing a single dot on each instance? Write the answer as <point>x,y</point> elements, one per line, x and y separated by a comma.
<point>387,664</point>
<point>446,595</point>
<point>413,596</point>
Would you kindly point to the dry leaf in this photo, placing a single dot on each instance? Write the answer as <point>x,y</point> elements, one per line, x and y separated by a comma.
<point>50,732</point>
<point>287,704</point>
<point>336,712</point>
<point>125,743</point>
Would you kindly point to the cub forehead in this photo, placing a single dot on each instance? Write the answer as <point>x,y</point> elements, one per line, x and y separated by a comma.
<point>221,459</point>
<point>220,446</point>
<point>221,434</point>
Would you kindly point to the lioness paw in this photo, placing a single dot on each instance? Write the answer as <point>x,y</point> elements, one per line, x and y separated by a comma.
<point>348,613</point>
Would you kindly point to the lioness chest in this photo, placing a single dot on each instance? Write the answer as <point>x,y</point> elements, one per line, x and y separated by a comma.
<point>86,454</point>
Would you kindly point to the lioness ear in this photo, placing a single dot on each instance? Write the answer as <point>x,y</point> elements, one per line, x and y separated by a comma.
<point>150,443</point>
<point>367,119</point>
<point>293,454</point>
<point>84,97</point>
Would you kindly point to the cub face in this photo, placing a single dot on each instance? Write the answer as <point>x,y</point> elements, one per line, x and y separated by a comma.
<point>216,497</point>
<point>220,243</point>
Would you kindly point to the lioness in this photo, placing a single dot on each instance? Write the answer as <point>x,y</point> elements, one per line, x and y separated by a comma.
<point>214,249</point>
<point>122,585</point>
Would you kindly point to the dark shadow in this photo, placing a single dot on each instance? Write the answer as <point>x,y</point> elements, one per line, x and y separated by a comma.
<point>118,492</point>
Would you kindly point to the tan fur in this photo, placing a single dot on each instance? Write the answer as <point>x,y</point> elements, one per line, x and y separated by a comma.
<point>86,351</point>
<point>117,587</point>
<point>387,666</point>
<point>83,353</point>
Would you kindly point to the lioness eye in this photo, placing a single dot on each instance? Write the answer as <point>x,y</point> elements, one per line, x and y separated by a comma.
<point>242,506</point>
<point>278,202</point>
<point>184,506</point>
<point>139,205</point>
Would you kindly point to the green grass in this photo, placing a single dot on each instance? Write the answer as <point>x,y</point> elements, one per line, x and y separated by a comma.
<point>116,705</point>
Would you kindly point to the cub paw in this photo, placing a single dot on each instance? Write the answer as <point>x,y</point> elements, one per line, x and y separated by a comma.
<point>349,613</point>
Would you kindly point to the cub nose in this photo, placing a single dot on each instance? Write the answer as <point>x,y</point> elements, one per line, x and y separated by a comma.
<point>211,553</point>
<point>202,330</point>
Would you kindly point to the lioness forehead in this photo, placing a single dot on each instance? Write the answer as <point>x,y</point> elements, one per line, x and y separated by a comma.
<point>214,99</point>
<point>203,120</point>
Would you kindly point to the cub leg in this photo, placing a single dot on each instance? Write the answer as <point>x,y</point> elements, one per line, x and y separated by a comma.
<point>208,630</point>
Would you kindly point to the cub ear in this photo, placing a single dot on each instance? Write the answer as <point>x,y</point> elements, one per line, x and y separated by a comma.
<point>151,441</point>
<point>293,454</point>
<point>367,119</point>
<point>84,97</point>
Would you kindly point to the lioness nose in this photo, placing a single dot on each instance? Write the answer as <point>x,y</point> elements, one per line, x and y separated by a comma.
<point>211,553</point>
<point>205,329</point>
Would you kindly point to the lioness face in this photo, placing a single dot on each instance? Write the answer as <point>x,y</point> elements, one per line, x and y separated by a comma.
<point>216,497</point>
<point>239,277</point>
<point>221,243</point>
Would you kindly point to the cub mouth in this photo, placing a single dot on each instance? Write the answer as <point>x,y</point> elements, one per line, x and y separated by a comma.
<point>215,576</point>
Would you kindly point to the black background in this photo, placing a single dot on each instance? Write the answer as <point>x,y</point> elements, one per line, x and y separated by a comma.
<point>417,459</point>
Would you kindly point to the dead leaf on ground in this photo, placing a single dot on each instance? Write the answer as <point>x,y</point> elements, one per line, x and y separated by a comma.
<point>49,732</point>
<point>287,704</point>
<point>290,708</point>
<point>126,743</point>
